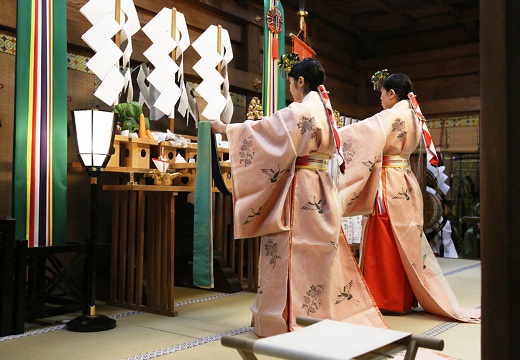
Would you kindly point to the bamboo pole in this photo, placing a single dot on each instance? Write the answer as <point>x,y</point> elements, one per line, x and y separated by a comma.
<point>219,46</point>
<point>174,37</point>
<point>118,20</point>
<point>117,37</point>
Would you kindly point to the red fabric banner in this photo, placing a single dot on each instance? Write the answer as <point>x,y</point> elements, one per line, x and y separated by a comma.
<point>302,49</point>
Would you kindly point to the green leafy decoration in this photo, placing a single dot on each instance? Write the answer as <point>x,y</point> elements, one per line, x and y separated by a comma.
<point>129,113</point>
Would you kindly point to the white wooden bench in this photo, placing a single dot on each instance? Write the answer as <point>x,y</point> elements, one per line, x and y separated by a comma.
<point>332,340</point>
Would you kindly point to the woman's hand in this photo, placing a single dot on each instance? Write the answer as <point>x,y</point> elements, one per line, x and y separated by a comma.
<point>218,127</point>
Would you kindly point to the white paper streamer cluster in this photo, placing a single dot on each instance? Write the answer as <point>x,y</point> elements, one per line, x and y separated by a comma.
<point>105,63</point>
<point>219,101</point>
<point>167,77</point>
<point>148,94</point>
<point>440,176</point>
<point>167,87</point>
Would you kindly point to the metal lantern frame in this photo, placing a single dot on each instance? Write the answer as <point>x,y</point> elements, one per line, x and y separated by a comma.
<point>94,131</point>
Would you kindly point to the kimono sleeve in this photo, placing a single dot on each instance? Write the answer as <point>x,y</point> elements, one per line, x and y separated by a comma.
<point>362,145</point>
<point>262,158</point>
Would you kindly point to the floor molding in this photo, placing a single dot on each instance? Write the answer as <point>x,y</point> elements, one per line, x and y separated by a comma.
<point>462,269</point>
<point>117,316</point>
<point>208,298</point>
<point>189,344</point>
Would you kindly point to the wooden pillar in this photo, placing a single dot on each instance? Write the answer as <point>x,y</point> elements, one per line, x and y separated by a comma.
<point>254,47</point>
<point>500,192</point>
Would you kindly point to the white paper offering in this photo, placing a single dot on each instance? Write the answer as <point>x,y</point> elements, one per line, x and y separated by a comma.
<point>103,61</point>
<point>102,15</point>
<point>109,89</point>
<point>167,77</point>
<point>214,87</point>
<point>179,159</point>
<point>161,164</point>
<point>148,93</point>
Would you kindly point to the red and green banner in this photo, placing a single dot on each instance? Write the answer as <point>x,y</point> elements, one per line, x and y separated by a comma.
<point>273,94</point>
<point>40,144</point>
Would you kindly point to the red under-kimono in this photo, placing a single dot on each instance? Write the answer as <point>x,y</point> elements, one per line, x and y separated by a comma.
<point>396,258</point>
<point>306,266</point>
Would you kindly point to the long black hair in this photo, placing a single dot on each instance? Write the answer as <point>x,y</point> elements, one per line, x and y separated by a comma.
<point>311,70</point>
<point>400,83</point>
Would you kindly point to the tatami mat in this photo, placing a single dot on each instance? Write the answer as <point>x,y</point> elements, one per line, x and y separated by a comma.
<point>204,316</point>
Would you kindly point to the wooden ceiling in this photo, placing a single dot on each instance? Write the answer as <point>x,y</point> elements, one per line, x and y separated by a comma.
<point>374,22</point>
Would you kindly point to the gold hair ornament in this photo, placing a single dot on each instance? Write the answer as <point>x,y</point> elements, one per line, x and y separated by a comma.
<point>287,61</point>
<point>379,78</point>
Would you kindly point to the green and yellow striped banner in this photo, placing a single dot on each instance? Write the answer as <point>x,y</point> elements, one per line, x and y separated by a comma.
<point>40,145</point>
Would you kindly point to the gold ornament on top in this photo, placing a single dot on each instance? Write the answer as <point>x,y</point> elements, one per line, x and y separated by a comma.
<point>254,111</point>
<point>379,78</point>
<point>339,120</point>
<point>302,14</point>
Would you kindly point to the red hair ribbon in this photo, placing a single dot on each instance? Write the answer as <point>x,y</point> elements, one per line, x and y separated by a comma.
<point>431,153</point>
<point>324,94</point>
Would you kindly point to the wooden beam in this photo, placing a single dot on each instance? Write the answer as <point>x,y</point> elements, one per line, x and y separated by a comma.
<point>78,24</point>
<point>431,23</point>
<point>453,52</point>
<point>440,107</point>
<point>320,10</point>
<point>8,20</point>
<point>222,8</point>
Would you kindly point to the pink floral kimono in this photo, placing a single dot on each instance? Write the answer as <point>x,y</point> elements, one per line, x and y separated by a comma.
<point>376,152</point>
<point>306,266</point>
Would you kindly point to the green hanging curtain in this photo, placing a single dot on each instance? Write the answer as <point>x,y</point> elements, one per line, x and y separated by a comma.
<point>202,221</point>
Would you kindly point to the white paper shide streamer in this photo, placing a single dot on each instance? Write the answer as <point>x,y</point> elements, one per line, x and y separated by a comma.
<point>109,57</point>
<point>441,177</point>
<point>214,87</point>
<point>148,94</point>
<point>168,76</point>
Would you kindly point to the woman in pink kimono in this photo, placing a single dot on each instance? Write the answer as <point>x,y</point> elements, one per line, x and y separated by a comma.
<point>283,192</point>
<point>396,259</point>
